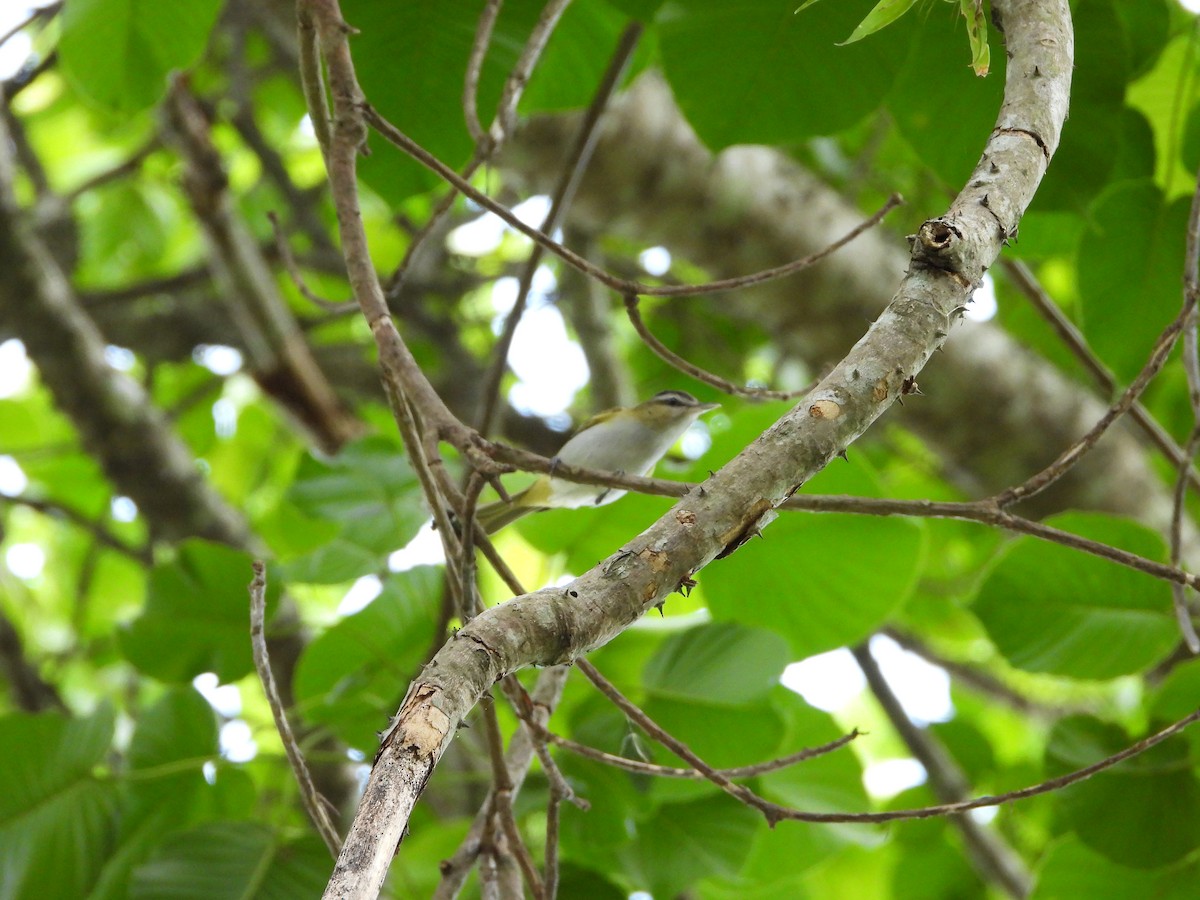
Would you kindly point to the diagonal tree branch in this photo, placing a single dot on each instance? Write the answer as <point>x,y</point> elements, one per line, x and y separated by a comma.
<point>559,624</point>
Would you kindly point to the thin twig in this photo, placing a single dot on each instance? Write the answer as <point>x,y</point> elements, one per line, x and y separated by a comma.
<point>127,167</point>
<point>314,803</point>
<point>1191,367</point>
<point>672,743</point>
<point>576,164</point>
<point>621,285</point>
<point>293,270</point>
<point>311,80</point>
<point>550,863</point>
<point>1183,615</point>
<point>1069,457</point>
<point>994,859</point>
<point>983,511</point>
<point>514,87</point>
<point>502,790</point>
<point>102,535</point>
<point>774,812</point>
<point>638,767</point>
<point>1071,337</point>
<point>395,284</point>
<point>672,358</point>
<point>39,12</point>
<point>479,48</point>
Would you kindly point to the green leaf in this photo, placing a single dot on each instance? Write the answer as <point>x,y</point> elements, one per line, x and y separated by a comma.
<point>197,616</point>
<point>1049,608</point>
<point>854,573</point>
<point>57,816</point>
<point>828,783</point>
<point>352,677</point>
<point>683,842</point>
<point>117,53</point>
<point>233,861</point>
<point>884,13</point>
<point>922,105</point>
<point>1156,789</point>
<point>435,39</point>
<point>720,663</point>
<point>370,492</point>
<point>174,737</point>
<point>722,735</point>
<point>1071,869</point>
<point>752,72</point>
<point>1130,273</point>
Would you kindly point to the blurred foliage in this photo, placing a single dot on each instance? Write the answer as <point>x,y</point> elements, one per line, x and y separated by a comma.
<point>140,786</point>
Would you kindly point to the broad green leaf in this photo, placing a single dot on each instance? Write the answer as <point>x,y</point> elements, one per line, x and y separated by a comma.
<point>884,13</point>
<point>721,734</point>
<point>370,492</point>
<point>118,53</point>
<point>353,676</point>
<point>683,842</point>
<point>720,663</point>
<point>922,106</point>
<point>828,783</point>
<point>233,861</point>
<point>174,737</point>
<point>1130,273</point>
<point>1071,869</point>
<point>820,580</point>
<point>57,814</point>
<point>434,39</point>
<point>197,616</point>
<point>753,72</point>
<point>1157,95</point>
<point>1049,608</point>
<point>1157,790</point>
<point>1085,161</point>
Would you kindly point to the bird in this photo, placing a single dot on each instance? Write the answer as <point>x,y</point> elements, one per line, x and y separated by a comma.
<point>629,440</point>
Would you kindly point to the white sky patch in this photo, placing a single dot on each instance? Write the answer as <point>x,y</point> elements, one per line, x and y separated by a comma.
<point>923,689</point>
<point>983,305</point>
<point>695,441</point>
<point>305,131</point>
<point>16,370</point>
<point>120,358</point>
<point>123,509</point>
<point>26,561</point>
<point>1190,5</point>
<point>15,51</point>
<point>551,367</point>
<point>210,771</point>
<point>361,593</point>
<point>237,741</point>
<point>218,359</point>
<point>831,681</point>
<point>655,260</point>
<point>226,699</point>
<point>828,681</point>
<point>423,550</point>
<point>12,477</point>
<point>482,236</point>
<point>225,417</point>
<point>888,777</point>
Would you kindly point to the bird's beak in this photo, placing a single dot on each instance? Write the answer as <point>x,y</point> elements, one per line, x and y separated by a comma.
<point>708,407</point>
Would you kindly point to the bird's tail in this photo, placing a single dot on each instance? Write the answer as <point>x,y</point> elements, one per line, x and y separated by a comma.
<point>494,516</point>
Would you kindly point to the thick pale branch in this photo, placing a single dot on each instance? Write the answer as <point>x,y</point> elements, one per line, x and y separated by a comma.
<point>560,624</point>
